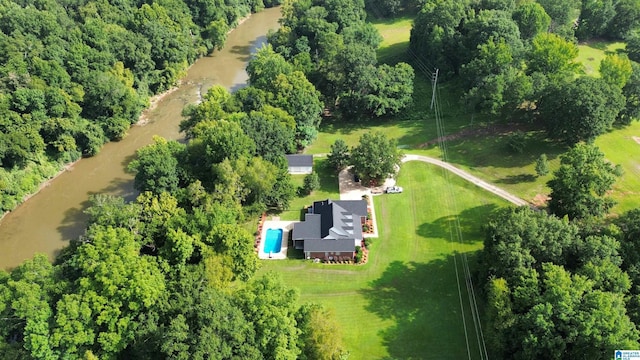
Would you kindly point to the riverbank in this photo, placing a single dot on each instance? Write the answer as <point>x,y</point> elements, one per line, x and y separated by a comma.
<point>47,222</point>
<point>143,119</point>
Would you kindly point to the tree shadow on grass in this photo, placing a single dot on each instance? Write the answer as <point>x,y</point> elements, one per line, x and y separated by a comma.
<point>443,228</point>
<point>327,175</point>
<point>492,150</point>
<point>517,179</point>
<point>394,54</point>
<point>423,302</point>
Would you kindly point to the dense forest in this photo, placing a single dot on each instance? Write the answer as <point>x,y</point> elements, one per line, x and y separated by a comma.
<point>74,75</point>
<point>170,275</point>
<point>561,283</point>
<point>516,61</point>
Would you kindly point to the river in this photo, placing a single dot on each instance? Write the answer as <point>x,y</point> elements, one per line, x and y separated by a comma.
<point>46,222</point>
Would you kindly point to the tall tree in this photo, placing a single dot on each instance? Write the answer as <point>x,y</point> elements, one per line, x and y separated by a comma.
<point>595,18</point>
<point>631,91</point>
<point>213,142</point>
<point>560,12</point>
<point>490,24</point>
<point>616,70</point>
<point>552,55</point>
<point>320,337</point>
<point>580,110</point>
<point>376,157</point>
<point>435,35</point>
<point>156,166</point>
<point>579,187</point>
<point>520,239</point>
<point>633,45</point>
<point>271,306</point>
<point>626,19</point>
<point>567,320</point>
<point>338,158</point>
<point>531,19</point>
<point>114,285</point>
<point>272,130</point>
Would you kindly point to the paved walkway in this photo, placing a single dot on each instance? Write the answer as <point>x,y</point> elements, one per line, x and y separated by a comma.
<point>351,190</point>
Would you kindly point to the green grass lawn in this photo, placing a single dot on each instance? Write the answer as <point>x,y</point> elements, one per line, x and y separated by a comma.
<point>591,54</point>
<point>395,38</point>
<point>404,303</point>
<point>411,128</point>
<point>328,189</point>
<point>489,158</point>
<point>620,147</point>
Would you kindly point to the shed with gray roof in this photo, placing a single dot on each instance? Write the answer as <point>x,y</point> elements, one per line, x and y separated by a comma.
<point>300,164</point>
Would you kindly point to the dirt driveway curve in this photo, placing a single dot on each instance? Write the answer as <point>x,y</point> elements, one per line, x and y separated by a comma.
<point>465,175</point>
<point>350,190</point>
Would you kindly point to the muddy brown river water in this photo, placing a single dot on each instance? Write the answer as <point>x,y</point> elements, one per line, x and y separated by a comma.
<point>46,222</point>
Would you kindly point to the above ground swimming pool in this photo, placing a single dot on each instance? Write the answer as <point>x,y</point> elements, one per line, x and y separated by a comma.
<point>273,241</point>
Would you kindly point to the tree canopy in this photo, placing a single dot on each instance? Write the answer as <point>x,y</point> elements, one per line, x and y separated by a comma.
<point>546,286</point>
<point>579,187</point>
<point>580,110</point>
<point>375,157</point>
<point>74,75</point>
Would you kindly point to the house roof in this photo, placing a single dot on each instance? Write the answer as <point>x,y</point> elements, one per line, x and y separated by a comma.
<point>358,207</point>
<point>332,225</point>
<point>308,229</point>
<point>340,245</point>
<point>299,160</point>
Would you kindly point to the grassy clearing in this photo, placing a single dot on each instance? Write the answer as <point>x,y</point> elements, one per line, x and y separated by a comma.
<point>489,158</point>
<point>395,38</point>
<point>411,128</point>
<point>591,54</point>
<point>404,303</point>
<point>328,189</point>
<point>620,147</point>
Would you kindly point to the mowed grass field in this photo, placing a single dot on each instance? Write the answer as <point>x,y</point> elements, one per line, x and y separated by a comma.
<point>404,303</point>
<point>620,147</point>
<point>591,54</point>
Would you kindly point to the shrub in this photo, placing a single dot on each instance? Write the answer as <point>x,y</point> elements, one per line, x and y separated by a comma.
<point>516,142</point>
<point>358,254</point>
<point>311,183</point>
<point>542,165</point>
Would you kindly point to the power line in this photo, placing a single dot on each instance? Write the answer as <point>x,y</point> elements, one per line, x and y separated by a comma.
<point>428,69</point>
<point>465,262</point>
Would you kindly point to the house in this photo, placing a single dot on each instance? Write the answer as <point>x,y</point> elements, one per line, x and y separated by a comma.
<point>300,164</point>
<point>331,228</point>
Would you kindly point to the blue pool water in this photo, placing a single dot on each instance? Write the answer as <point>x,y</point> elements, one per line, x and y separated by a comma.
<point>273,241</point>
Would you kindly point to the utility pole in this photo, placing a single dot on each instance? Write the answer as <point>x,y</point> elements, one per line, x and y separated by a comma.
<point>435,81</point>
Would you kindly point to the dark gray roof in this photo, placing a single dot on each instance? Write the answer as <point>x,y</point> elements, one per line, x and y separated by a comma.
<point>299,160</point>
<point>342,245</point>
<point>332,225</point>
<point>308,229</point>
<point>358,207</point>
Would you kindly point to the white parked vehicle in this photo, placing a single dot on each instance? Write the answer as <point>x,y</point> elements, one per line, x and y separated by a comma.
<point>393,190</point>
